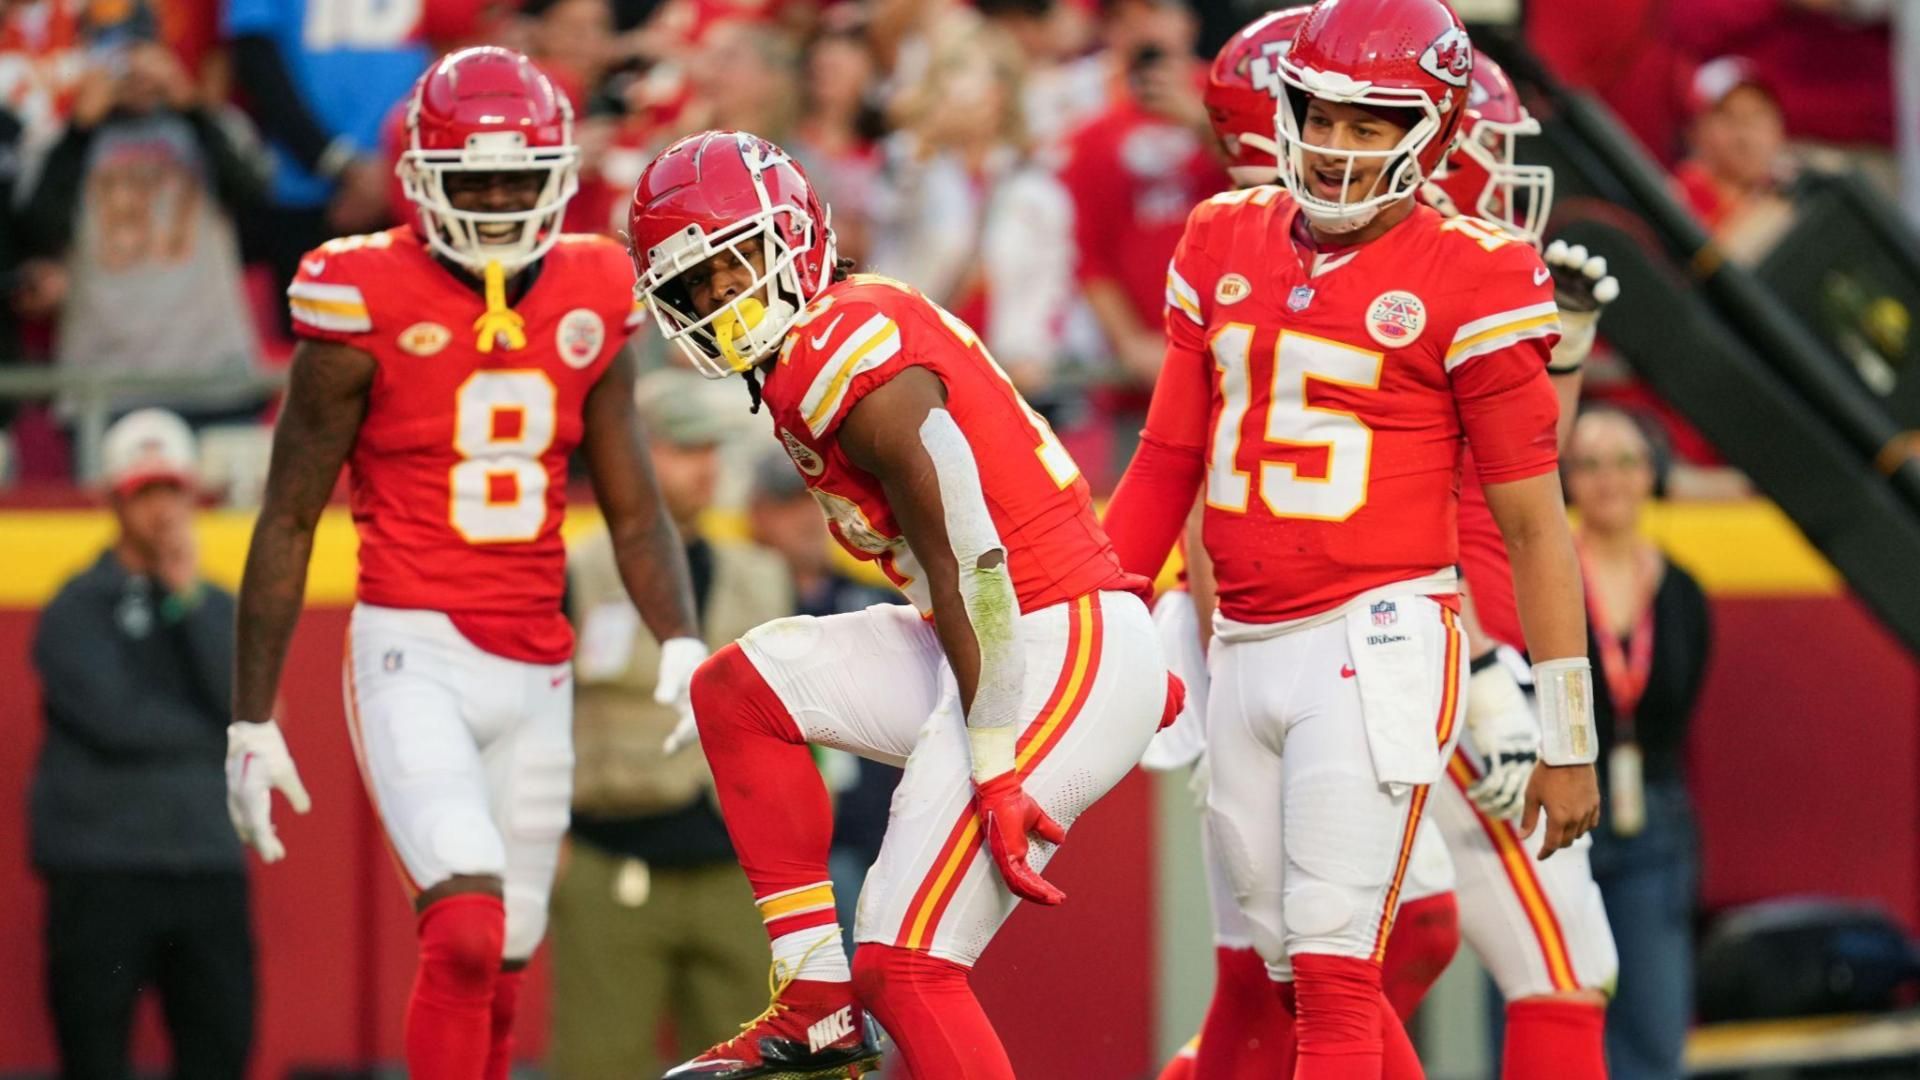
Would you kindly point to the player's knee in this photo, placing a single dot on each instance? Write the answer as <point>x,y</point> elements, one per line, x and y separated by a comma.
<point>462,841</point>
<point>1315,909</point>
<point>731,696</point>
<point>881,969</point>
<point>462,938</point>
<point>870,966</point>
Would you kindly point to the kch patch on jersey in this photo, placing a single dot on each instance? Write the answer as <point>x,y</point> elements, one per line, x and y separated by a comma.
<point>425,338</point>
<point>1232,289</point>
<point>579,337</point>
<point>807,461</point>
<point>1395,318</point>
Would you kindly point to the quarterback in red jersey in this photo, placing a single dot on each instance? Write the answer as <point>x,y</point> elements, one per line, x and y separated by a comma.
<point>453,366</point>
<point>1333,348</point>
<point>1022,684</point>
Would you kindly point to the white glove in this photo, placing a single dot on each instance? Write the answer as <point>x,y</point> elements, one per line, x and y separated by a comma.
<point>257,765</point>
<point>1580,279</point>
<point>1581,287</point>
<point>1180,743</point>
<point>1504,731</point>
<point>679,657</point>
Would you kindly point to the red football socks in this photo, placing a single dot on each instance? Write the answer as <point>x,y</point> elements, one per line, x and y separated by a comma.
<point>926,1005</point>
<point>506,1003</point>
<point>772,797</point>
<point>450,1014</point>
<point>1248,1033</point>
<point>1426,934</point>
<point>1564,1040</point>
<point>1346,1028</point>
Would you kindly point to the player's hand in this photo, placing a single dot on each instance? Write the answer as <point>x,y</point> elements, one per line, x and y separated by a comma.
<point>679,658</point>
<point>1580,279</point>
<point>1504,731</point>
<point>1570,796</point>
<point>258,764</point>
<point>1007,815</point>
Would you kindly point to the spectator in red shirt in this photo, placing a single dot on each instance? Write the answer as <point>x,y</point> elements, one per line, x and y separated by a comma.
<point>1134,172</point>
<point>1731,177</point>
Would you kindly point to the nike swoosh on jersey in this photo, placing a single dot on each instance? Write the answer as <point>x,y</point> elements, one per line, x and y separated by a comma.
<point>313,267</point>
<point>1540,275</point>
<point>819,341</point>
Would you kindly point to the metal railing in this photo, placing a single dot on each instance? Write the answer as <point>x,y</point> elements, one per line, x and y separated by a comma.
<point>94,397</point>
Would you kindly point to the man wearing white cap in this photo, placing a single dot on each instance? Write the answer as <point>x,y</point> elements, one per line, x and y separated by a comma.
<point>146,885</point>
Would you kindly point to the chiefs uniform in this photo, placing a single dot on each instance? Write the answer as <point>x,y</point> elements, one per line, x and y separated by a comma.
<point>876,682</point>
<point>457,674</point>
<point>1329,394</point>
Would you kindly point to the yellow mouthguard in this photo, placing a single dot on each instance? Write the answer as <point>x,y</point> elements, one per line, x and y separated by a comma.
<point>736,322</point>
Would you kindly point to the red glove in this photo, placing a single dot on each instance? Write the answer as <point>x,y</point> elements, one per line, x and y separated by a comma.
<point>1176,700</point>
<point>1008,814</point>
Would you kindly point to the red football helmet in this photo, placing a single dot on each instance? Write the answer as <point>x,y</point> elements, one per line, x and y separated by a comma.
<point>1243,91</point>
<point>1411,55</point>
<point>702,197</point>
<point>1481,177</point>
<point>488,110</point>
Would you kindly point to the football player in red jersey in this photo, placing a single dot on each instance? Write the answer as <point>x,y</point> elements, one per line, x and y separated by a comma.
<point>1247,1034</point>
<point>1022,683</point>
<point>1539,928</point>
<point>454,366</point>
<point>1333,349</point>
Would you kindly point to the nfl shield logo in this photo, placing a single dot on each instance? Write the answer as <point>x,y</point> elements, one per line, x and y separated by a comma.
<point>1299,298</point>
<point>1385,613</point>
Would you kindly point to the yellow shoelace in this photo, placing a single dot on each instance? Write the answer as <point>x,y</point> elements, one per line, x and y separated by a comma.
<point>500,321</point>
<point>779,977</point>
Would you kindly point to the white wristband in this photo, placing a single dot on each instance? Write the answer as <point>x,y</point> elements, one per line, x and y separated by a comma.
<point>992,749</point>
<point>1564,690</point>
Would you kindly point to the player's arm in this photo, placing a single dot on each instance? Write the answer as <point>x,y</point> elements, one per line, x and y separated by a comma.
<point>1509,412</point>
<point>646,546</point>
<point>325,403</point>
<point>1153,500</point>
<point>902,434</point>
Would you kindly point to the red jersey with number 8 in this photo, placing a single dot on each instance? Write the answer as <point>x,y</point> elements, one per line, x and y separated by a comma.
<point>458,475</point>
<point>861,333</point>
<point>1331,391</point>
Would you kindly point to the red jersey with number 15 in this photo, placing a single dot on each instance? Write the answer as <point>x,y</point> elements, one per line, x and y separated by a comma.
<point>861,333</point>
<point>458,475</point>
<point>1332,392</point>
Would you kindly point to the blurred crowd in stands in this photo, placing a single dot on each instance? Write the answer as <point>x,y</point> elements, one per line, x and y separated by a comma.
<point>1028,163</point>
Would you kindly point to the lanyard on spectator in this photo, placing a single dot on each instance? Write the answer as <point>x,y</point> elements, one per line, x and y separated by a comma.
<point>1626,670</point>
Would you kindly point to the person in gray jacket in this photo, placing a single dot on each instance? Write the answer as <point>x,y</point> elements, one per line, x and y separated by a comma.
<point>128,818</point>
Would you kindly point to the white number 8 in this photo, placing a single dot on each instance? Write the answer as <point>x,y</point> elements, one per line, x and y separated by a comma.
<point>503,422</point>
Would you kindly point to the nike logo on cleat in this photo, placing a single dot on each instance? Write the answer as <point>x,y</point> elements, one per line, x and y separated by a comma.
<point>830,1029</point>
<point>1346,671</point>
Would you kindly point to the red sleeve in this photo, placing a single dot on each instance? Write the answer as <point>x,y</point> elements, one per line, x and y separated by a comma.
<point>852,347</point>
<point>1497,362</point>
<point>329,297</point>
<point>1149,507</point>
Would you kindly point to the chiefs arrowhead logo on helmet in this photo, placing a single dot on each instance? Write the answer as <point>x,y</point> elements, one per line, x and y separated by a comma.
<point>1450,57</point>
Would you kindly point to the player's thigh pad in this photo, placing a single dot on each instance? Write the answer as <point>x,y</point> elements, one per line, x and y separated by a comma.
<point>1348,837</point>
<point>530,783</point>
<point>1538,927</point>
<point>1243,820</point>
<point>1095,688</point>
<point>865,681</point>
<point>407,677</point>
